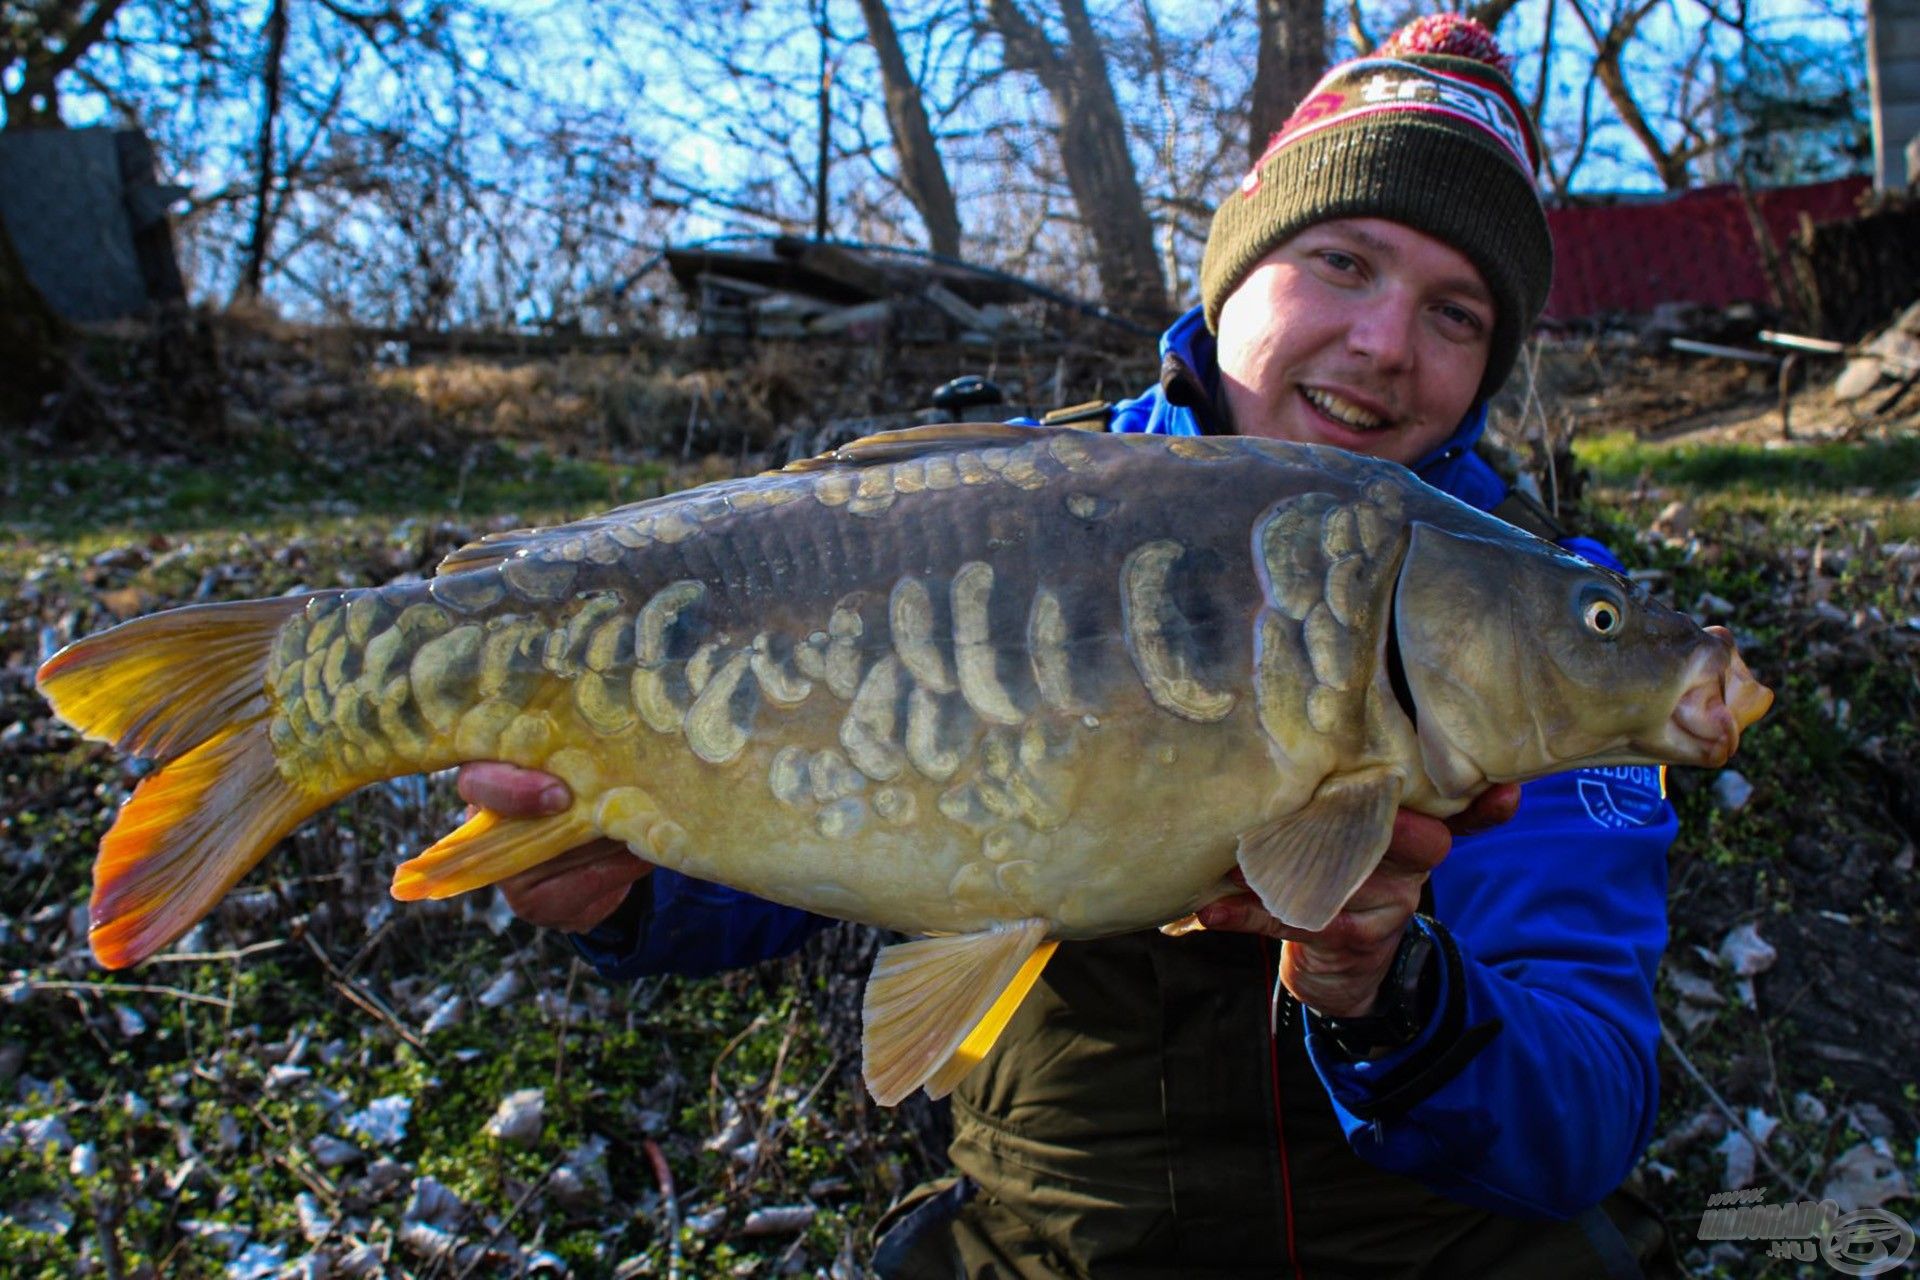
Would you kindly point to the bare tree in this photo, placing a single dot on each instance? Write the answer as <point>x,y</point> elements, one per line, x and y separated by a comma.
<point>1093,150</point>
<point>1489,13</point>
<point>39,43</point>
<point>922,173</point>
<point>257,234</point>
<point>1670,161</point>
<point>1291,55</point>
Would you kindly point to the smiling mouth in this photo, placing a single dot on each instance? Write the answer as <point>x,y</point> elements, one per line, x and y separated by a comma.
<point>1344,411</point>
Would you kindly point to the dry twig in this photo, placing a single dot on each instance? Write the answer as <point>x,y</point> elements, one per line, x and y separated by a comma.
<point>1800,1188</point>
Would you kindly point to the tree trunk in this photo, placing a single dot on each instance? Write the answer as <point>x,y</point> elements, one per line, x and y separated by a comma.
<point>261,230</point>
<point>921,171</point>
<point>1292,56</point>
<point>1093,150</point>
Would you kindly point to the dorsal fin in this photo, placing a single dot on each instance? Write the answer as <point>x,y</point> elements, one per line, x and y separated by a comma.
<point>490,550</point>
<point>919,442</point>
<point>485,553</point>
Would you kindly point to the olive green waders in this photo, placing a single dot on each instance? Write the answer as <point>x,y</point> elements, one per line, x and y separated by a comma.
<point>1137,1120</point>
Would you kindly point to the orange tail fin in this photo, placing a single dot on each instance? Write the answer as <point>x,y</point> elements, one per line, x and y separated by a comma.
<point>187,688</point>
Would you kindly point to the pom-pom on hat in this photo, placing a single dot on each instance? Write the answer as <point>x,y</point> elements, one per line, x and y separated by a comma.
<point>1426,131</point>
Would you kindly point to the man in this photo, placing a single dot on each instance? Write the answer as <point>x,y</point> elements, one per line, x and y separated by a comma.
<point>1453,1074</point>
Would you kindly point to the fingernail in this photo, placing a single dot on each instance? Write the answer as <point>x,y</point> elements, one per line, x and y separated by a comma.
<point>553,798</point>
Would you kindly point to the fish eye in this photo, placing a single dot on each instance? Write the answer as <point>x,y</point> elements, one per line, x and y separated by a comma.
<point>1603,616</point>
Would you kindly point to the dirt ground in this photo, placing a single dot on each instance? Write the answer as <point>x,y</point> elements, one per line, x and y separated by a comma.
<point>1807,1060</point>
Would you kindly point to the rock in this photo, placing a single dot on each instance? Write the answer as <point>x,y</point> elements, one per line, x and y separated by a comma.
<point>1674,522</point>
<point>383,1122</point>
<point>129,1021</point>
<point>706,1223</point>
<point>778,1220</point>
<point>500,990</point>
<point>1740,1158</point>
<point>581,1183</point>
<point>43,1215</point>
<point>257,1262</point>
<point>47,1131</point>
<point>1731,791</point>
<point>330,1152</point>
<point>1870,1120</point>
<point>361,1260</point>
<point>519,1116</point>
<point>386,1173</point>
<point>446,1014</point>
<point>315,1224</point>
<point>1808,1109</point>
<point>435,1203</point>
<point>1745,952</point>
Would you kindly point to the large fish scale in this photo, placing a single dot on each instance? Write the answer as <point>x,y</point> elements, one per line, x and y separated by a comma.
<point>790,585</point>
<point>1010,685</point>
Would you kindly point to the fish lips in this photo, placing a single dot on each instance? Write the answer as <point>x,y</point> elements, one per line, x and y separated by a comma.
<point>1721,700</point>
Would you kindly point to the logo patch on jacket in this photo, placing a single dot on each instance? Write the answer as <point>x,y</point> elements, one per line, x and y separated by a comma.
<point>1624,796</point>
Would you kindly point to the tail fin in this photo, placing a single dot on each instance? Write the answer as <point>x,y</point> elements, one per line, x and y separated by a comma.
<point>161,685</point>
<point>187,688</point>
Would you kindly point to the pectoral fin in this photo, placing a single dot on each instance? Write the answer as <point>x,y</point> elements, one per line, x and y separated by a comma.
<point>935,1007</point>
<point>1305,865</point>
<point>485,849</point>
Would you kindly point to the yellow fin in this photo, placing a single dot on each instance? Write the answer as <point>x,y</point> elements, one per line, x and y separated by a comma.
<point>1306,865</point>
<point>485,849</point>
<point>191,830</point>
<point>986,1032</point>
<point>161,685</point>
<point>924,998</point>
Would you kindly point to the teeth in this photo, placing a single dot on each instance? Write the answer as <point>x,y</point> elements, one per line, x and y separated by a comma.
<point>1345,412</point>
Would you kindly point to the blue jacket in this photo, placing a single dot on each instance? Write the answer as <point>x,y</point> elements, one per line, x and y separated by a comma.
<point>1535,1079</point>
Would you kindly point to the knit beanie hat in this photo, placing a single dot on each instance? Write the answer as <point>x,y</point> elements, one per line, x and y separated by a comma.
<point>1426,131</point>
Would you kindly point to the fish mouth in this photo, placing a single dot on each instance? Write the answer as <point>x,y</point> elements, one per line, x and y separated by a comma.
<point>1721,701</point>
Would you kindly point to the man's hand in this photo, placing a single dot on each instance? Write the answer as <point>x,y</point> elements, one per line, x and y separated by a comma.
<point>574,891</point>
<point>1338,970</point>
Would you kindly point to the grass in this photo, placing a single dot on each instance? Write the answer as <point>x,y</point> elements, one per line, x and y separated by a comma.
<point>1880,467</point>
<point>271,485</point>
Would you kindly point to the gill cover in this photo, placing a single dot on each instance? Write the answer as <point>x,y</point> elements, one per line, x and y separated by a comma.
<point>1523,659</point>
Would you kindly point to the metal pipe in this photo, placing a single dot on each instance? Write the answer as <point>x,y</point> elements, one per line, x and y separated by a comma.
<point>1796,342</point>
<point>1728,353</point>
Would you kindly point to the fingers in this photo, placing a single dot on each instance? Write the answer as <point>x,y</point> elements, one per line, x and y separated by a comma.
<point>1359,926</point>
<point>1418,845</point>
<point>1489,809</point>
<point>576,890</point>
<point>511,791</point>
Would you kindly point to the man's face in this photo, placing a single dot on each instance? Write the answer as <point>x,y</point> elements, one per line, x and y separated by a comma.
<point>1359,333</point>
